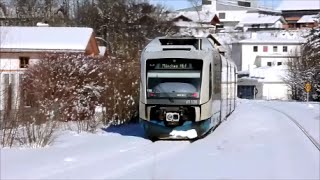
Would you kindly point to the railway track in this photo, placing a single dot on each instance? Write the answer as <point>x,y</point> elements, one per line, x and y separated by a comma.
<point>305,132</point>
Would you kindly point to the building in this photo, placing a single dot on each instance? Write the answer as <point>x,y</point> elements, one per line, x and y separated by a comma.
<point>296,13</point>
<point>261,22</point>
<point>23,46</point>
<point>308,21</point>
<point>261,62</point>
<point>229,12</point>
<point>196,22</point>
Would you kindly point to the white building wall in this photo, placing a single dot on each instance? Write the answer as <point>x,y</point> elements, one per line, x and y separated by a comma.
<point>267,88</point>
<point>250,58</point>
<point>278,24</point>
<point>272,91</point>
<point>232,15</point>
<point>10,73</point>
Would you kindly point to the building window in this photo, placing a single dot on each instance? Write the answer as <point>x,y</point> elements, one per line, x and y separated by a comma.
<point>269,63</point>
<point>279,63</point>
<point>255,48</point>
<point>285,49</point>
<point>222,15</point>
<point>243,3</point>
<point>275,48</point>
<point>24,62</point>
<point>265,48</point>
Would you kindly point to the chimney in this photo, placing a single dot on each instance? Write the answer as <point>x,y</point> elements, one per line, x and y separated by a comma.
<point>209,5</point>
<point>214,5</point>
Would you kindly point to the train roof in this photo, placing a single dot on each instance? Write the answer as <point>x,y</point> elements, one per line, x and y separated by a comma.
<point>176,43</point>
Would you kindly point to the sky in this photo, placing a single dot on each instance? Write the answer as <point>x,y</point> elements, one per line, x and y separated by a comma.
<point>179,4</point>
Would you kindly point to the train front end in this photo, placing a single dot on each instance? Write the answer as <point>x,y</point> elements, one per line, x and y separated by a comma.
<point>174,102</point>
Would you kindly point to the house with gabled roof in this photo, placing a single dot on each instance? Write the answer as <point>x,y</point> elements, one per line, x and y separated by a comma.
<point>24,46</point>
<point>196,22</point>
<point>260,22</point>
<point>294,11</point>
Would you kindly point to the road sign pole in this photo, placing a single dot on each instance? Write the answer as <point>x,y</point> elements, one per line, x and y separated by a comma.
<point>307,88</point>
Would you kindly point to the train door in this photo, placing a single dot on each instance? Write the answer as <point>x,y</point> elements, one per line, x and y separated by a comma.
<point>217,94</point>
<point>228,89</point>
<point>231,88</point>
<point>235,87</point>
<point>224,88</point>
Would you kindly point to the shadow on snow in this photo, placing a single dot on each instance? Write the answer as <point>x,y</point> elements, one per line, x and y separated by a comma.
<point>130,129</point>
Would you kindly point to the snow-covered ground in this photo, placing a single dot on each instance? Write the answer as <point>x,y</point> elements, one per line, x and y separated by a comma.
<point>258,141</point>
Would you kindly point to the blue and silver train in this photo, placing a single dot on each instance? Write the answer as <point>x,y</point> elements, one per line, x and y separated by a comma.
<point>187,87</point>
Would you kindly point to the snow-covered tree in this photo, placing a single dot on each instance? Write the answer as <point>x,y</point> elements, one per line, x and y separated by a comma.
<point>67,86</point>
<point>127,25</point>
<point>122,91</point>
<point>306,68</point>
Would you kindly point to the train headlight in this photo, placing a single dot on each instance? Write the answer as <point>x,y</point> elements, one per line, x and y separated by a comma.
<point>173,117</point>
<point>195,95</point>
<point>169,117</point>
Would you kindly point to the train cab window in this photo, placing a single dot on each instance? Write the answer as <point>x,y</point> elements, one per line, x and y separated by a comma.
<point>174,78</point>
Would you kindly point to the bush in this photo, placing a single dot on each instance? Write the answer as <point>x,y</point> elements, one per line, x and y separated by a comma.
<point>67,87</point>
<point>122,92</point>
<point>71,86</point>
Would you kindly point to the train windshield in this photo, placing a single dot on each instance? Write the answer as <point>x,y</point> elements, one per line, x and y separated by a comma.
<point>177,80</point>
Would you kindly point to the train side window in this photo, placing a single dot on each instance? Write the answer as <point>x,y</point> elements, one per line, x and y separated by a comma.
<point>210,83</point>
<point>217,78</point>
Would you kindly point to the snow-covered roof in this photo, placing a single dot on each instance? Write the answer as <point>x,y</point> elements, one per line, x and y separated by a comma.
<point>45,38</point>
<point>299,5</point>
<point>225,5</point>
<point>268,73</point>
<point>271,40</point>
<point>308,19</point>
<point>195,16</point>
<point>281,37</point>
<point>255,18</point>
<point>192,24</point>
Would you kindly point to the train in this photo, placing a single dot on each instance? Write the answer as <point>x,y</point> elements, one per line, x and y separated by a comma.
<point>187,87</point>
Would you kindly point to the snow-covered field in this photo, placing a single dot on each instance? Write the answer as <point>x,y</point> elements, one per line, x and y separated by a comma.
<point>258,141</point>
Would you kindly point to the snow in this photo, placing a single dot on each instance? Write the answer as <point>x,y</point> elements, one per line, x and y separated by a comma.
<point>102,50</point>
<point>258,141</point>
<point>255,18</point>
<point>196,16</point>
<point>191,24</point>
<point>308,19</point>
<point>269,73</point>
<point>291,37</point>
<point>299,5</point>
<point>192,133</point>
<point>45,38</point>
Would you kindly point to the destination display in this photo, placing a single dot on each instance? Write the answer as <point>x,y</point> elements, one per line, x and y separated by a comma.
<point>174,64</point>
